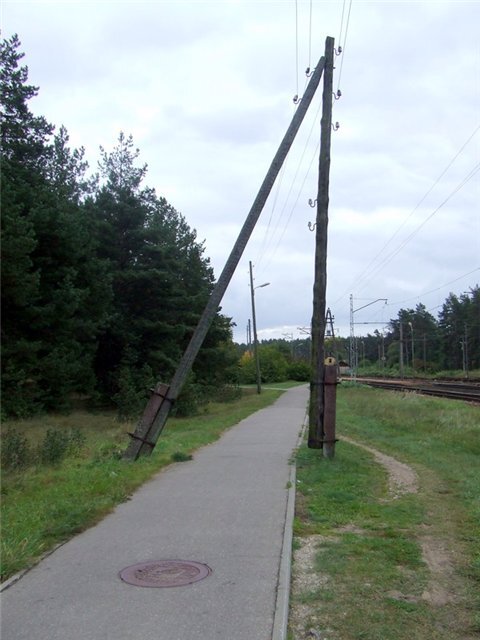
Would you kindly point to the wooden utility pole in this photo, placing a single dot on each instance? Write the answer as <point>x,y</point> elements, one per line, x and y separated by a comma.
<point>147,432</point>
<point>316,434</point>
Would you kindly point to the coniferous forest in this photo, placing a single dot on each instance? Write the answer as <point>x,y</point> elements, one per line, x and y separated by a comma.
<point>103,281</point>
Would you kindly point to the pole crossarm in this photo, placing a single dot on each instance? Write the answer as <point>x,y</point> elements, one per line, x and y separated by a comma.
<point>136,446</point>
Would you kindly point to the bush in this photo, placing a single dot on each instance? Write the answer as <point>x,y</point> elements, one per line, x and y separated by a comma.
<point>299,371</point>
<point>58,444</point>
<point>273,366</point>
<point>195,397</point>
<point>132,393</point>
<point>191,399</point>
<point>226,393</point>
<point>16,453</point>
<point>54,447</point>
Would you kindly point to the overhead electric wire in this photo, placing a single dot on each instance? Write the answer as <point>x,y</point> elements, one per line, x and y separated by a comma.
<point>310,37</point>
<point>292,184</point>
<point>365,272</point>
<point>341,24</point>
<point>390,257</point>
<point>296,200</point>
<point>344,44</point>
<point>418,204</point>
<point>267,235</point>
<point>296,44</point>
<point>442,286</point>
<point>272,211</point>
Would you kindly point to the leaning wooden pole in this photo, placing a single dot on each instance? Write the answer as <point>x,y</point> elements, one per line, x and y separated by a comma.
<point>316,413</point>
<point>146,435</point>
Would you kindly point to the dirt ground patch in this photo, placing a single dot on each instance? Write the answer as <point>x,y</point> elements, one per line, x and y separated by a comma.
<point>401,478</point>
<point>305,582</point>
<point>440,593</point>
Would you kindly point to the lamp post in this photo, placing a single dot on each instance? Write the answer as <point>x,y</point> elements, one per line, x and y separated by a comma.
<point>254,322</point>
<point>413,350</point>
<point>464,346</point>
<point>353,342</point>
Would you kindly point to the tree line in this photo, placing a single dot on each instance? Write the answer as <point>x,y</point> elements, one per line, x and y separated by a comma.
<point>415,339</point>
<point>103,281</point>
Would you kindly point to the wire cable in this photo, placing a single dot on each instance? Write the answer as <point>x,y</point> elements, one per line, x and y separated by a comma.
<point>294,179</point>
<point>364,273</point>
<point>386,260</point>
<point>310,38</point>
<point>344,45</point>
<point>261,252</point>
<point>420,202</point>
<point>294,206</point>
<point>426,293</point>
<point>341,24</point>
<point>296,44</point>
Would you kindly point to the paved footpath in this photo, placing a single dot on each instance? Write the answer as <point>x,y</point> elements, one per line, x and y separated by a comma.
<point>227,509</point>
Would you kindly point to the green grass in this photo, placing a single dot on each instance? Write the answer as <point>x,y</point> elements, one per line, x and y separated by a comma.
<point>43,506</point>
<point>370,552</point>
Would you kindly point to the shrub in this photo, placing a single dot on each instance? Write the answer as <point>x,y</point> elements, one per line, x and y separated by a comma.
<point>299,371</point>
<point>190,400</point>
<point>226,393</point>
<point>273,366</point>
<point>58,444</point>
<point>53,447</point>
<point>132,393</point>
<point>16,452</point>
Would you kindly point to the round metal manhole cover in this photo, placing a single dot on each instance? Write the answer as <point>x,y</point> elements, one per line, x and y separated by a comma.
<point>165,573</point>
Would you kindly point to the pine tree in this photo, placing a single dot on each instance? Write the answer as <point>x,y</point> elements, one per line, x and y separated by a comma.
<point>160,278</point>
<point>24,139</point>
<point>459,322</point>
<point>52,303</point>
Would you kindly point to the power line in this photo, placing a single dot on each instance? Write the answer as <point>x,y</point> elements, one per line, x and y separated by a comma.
<point>341,24</point>
<point>296,44</point>
<point>310,37</point>
<point>297,199</point>
<point>419,203</point>
<point>344,43</point>
<point>388,258</point>
<point>426,293</point>
<point>294,179</point>
<point>364,273</point>
<point>274,204</point>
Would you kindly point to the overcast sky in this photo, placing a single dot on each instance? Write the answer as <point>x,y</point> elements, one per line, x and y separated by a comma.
<point>206,90</point>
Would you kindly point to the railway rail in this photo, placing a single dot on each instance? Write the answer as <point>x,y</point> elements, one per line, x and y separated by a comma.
<point>468,391</point>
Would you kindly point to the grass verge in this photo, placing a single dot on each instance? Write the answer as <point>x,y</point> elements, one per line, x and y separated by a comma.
<point>43,506</point>
<point>373,566</point>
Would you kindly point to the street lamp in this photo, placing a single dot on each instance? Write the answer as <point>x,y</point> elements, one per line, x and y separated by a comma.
<point>353,347</point>
<point>413,350</point>
<point>254,322</point>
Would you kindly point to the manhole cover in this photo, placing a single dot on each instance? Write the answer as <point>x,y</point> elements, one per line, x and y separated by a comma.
<point>165,573</point>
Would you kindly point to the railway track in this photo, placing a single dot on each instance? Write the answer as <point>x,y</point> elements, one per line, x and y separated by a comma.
<point>467,391</point>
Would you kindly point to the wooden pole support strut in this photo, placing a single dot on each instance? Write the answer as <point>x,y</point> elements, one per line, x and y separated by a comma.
<point>211,309</point>
<point>141,439</point>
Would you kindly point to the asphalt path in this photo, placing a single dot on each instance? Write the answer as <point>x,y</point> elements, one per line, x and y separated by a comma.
<point>228,508</point>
